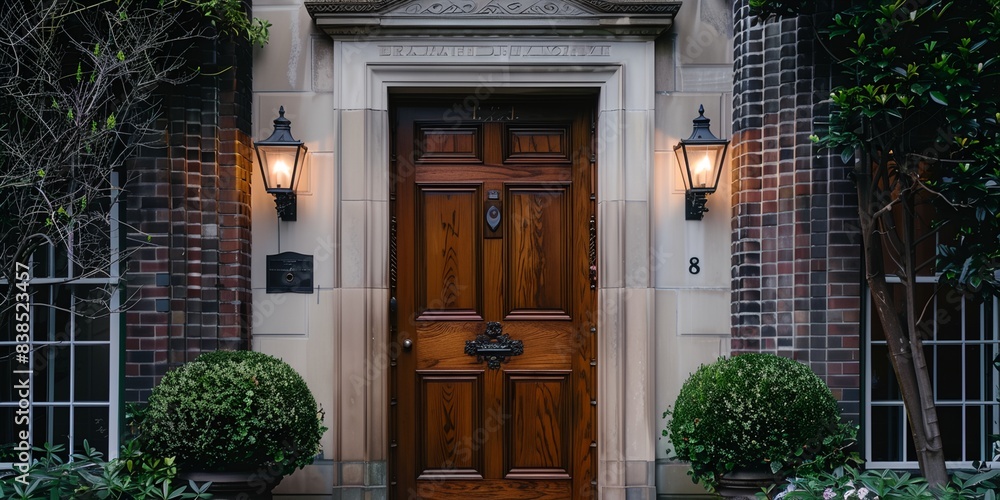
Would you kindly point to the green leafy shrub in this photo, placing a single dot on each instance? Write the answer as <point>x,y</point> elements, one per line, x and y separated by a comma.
<point>234,411</point>
<point>133,474</point>
<point>755,411</point>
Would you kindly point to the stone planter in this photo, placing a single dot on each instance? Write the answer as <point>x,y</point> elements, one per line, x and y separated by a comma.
<point>744,483</point>
<point>235,485</point>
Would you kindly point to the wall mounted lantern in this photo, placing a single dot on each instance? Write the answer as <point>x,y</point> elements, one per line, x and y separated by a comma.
<point>280,157</point>
<point>700,158</point>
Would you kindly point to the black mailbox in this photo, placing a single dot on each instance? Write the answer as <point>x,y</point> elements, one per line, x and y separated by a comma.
<point>289,272</point>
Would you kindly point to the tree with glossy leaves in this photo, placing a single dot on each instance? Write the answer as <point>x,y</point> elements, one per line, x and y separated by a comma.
<point>917,113</point>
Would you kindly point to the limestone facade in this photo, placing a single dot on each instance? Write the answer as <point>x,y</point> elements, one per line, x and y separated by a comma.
<point>657,319</point>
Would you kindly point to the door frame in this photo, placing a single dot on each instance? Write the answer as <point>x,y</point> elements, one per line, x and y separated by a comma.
<point>366,75</point>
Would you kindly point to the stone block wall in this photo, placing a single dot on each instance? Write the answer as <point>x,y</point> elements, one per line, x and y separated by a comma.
<point>188,223</point>
<point>796,279</point>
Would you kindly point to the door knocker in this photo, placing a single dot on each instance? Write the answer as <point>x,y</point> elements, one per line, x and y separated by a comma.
<point>493,346</point>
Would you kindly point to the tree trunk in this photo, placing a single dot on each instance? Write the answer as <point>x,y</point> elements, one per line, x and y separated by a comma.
<point>909,368</point>
<point>904,345</point>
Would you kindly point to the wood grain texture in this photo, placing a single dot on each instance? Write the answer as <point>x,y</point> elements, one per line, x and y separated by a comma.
<point>447,143</point>
<point>539,435</point>
<point>536,255</point>
<point>449,257</point>
<point>537,144</point>
<point>450,412</point>
<point>494,490</point>
<point>527,430</point>
<point>442,344</point>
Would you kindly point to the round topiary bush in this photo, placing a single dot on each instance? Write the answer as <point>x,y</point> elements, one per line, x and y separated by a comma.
<point>234,411</point>
<point>755,411</point>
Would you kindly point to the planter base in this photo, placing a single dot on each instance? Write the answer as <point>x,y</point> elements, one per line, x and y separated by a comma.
<point>234,485</point>
<point>744,484</point>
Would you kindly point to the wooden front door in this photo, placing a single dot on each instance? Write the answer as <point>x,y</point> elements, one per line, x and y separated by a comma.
<point>493,391</point>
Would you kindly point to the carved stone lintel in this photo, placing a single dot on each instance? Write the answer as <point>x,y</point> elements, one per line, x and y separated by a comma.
<point>491,17</point>
<point>490,8</point>
<point>352,6</point>
<point>609,7</point>
<point>570,7</point>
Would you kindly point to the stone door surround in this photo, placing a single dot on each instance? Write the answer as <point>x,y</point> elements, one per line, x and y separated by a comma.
<point>371,64</point>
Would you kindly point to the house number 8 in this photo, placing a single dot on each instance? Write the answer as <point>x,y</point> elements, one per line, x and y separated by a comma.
<point>693,268</point>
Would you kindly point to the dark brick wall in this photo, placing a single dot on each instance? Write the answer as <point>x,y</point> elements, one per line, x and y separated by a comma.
<point>188,214</point>
<point>796,248</point>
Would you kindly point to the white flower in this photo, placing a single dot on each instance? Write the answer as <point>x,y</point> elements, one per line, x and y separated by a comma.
<point>828,494</point>
<point>862,492</point>
<point>788,489</point>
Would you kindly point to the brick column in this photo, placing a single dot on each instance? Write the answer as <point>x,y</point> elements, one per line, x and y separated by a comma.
<point>188,219</point>
<point>796,246</point>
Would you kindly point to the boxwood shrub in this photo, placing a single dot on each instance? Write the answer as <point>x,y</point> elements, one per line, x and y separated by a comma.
<point>756,411</point>
<point>234,411</point>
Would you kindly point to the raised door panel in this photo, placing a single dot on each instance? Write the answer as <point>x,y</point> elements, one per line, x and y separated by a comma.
<point>537,259</point>
<point>450,410</point>
<point>449,253</point>
<point>449,143</point>
<point>538,436</point>
<point>548,144</point>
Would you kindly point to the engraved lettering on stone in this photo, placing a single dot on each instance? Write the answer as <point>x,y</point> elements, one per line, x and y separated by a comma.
<point>495,50</point>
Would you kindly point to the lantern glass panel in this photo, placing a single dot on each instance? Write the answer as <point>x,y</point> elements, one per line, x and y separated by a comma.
<point>703,161</point>
<point>682,165</point>
<point>280,166</point>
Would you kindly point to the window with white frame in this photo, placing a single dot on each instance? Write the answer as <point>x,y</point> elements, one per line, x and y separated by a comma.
<point>960,344</point>
<point>74,352</point>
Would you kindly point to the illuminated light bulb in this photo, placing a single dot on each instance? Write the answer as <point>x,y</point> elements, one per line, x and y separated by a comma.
<point>701,171</point>
<point>282,173</point>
